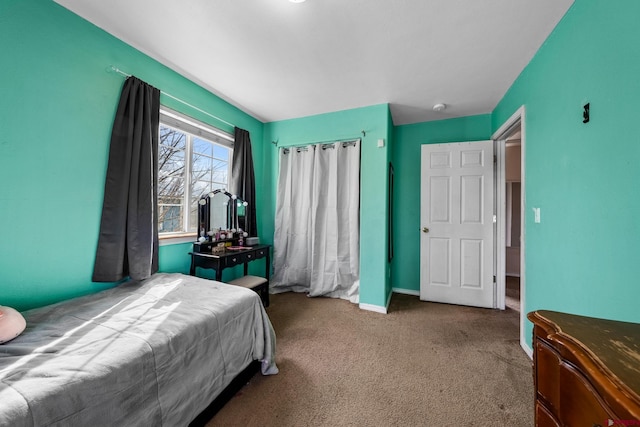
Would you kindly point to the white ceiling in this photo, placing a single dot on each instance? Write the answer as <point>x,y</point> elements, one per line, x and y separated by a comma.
<point>278,60</point>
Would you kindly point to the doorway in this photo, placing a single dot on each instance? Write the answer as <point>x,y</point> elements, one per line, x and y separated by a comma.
<point>513,192</point>
<point>512,280</point>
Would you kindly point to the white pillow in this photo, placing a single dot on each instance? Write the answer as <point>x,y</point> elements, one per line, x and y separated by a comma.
<point>11,324</point>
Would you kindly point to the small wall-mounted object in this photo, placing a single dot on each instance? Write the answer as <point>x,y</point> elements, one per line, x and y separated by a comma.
<point>585,113</point>
<point>381,143</point>
<point>536,215</point>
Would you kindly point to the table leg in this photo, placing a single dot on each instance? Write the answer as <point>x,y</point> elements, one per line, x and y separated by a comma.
<point>266,276</point>
<point>268,267</point>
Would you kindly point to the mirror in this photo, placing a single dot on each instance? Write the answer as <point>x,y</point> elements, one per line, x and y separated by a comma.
<point>214,212</point>
<point>241,214</point>
<point>220,209</point>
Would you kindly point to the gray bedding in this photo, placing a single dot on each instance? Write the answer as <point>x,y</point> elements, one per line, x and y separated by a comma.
<point>145,353</point>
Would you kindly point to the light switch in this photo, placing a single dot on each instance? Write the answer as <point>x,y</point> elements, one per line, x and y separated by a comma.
<point>536,215</point>
<point>381,143</point>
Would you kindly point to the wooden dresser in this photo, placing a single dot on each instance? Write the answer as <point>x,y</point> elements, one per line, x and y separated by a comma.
<point>586,371</point>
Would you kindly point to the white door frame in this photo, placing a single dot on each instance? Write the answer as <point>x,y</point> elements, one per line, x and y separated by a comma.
<point>500,137</point>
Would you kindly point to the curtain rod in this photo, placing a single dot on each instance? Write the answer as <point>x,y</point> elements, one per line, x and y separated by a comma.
<point>331,141</point>
<point>115,69</point>
<point>323,145</point>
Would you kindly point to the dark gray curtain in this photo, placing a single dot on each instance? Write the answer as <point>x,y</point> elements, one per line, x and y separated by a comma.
<point>128,241</point>
<point>243,182</point>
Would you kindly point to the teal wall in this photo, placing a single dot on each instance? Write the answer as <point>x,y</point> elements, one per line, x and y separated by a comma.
<point>374,120</point>
<point>406,213</point>
<point>583,256</point>
<point>57,104</point>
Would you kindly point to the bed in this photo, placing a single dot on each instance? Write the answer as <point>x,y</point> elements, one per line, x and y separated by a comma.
<point>154,352</point>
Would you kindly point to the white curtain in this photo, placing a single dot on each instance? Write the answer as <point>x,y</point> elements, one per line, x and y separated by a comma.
<point>317,232</point>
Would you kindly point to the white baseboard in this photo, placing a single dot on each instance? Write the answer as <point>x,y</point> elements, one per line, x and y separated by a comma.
<point>371,307</point>
<point>377,308</point>
<point>406,291</point>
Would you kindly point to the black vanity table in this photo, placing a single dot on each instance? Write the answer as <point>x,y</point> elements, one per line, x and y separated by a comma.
<point>220,210</point>
<point>203,258</point>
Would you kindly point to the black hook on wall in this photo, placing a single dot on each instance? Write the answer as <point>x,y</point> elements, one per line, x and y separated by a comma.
<point>585,113</point>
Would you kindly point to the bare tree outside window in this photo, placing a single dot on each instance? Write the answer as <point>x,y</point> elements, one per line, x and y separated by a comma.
<point>208,166</point>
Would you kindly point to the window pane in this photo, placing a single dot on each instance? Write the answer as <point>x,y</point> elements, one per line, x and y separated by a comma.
<point>171,168</point>
<point>172,138</point>
<point>170,162</point>
<point>193,220</point>
<point>202,146</point>
<point>208,164</point>
<point>193,215</point>
<point>220,152</point>
<point>202,168</point>
<point>220,172</point>
<point>170,190</point>
<point>199,188</point>
<point>169,218</point>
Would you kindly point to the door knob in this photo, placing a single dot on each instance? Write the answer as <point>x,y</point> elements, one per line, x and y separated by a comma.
<point>425,230</point>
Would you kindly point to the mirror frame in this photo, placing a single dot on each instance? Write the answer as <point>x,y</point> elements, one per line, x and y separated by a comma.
<point>233,220</point>
<point>236,217</point>
<point>204,211</point>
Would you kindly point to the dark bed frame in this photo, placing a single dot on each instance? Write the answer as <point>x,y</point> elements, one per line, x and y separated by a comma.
<point>238,382</point>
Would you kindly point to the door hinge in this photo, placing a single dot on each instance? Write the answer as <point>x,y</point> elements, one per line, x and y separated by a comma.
<point>494,279</point>
<point>495,159</point>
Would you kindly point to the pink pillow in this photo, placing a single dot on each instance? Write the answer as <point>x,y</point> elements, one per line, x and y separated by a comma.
<point>11,324</point>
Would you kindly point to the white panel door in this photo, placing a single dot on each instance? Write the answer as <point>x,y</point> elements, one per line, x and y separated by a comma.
<point>457,229</point>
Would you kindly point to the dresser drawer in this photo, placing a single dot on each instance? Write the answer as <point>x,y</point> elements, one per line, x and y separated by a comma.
<point>544,418</point>
<point>580,404</point>
<point>235,259</point>
<point>547,376</point>
<point>564,392</point>
<point>261,253</point>
<point>245,256</point>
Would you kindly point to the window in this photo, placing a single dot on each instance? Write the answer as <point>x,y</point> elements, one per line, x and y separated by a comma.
<point>193,159</point>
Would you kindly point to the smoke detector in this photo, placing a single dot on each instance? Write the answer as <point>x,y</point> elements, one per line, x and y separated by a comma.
<point>439,107</point>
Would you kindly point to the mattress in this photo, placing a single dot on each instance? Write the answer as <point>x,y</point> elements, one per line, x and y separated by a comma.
<point>154,352</point>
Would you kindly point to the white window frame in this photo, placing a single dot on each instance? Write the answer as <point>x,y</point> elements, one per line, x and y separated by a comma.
<point>192,127</point>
